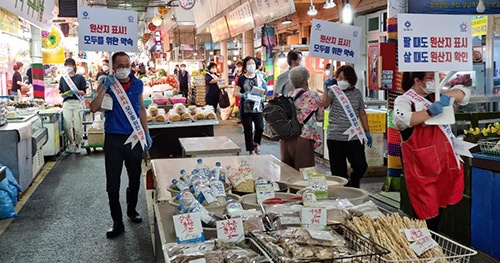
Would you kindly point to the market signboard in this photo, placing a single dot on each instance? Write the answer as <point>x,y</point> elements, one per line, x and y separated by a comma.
<point>451,7</point>
<point>240,19</point>
<point>9,23</point>
<point>111,30</point>
<point>37,12</point>
<point>434,42</point>
<point>219,30</point>
<point>335,41</point>
<point>265,11</point>
<point>479,25</point>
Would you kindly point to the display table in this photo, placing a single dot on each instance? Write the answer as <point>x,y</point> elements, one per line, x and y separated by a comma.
<point>164,170</point>
<point>166,136</point>
<point>208,146</point>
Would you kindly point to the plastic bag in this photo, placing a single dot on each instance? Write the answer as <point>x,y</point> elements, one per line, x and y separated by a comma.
<point>6,201</point>
<point>13,186</point>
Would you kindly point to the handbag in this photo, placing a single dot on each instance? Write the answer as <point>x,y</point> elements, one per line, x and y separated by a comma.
<point>224,99</point>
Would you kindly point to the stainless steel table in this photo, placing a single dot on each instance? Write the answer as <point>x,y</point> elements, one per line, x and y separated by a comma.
<point>216,145</point>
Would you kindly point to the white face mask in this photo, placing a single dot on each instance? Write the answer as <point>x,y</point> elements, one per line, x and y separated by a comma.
<point>430,87</point>
<point>122,73</point>
<point>251,68</point>
<point>214,70</point>
<point>69,69</point>
<point>302,63</point>
<point>343,85</point>
<point>327,72</point>
<point>105,68</point>
<point>238,69</point>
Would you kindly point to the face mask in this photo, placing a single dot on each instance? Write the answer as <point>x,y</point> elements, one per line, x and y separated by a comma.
<point>327,72</point>
<point>105,68</point>
<point>302,63</point>
<point>213,70</point>
<point>238,68</point>
<point>430,87</point>
<point>69,69</point>
<point>183,69</point>
<point>343,85</point>
<point>251,68</point>
<point>122,73</point>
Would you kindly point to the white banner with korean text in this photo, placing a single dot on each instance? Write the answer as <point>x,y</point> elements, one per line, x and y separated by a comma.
<point>335,41</point>
<point>39,13</point>
<point>240,19</point>
<point>434,42</point>
<point>102,29</point>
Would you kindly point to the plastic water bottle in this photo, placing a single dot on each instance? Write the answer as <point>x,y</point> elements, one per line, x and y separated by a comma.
<point>185,198</point>
<point>181,185</point>
<point>195,207</point>
<point>219,172</point>
<point>218,189</point>
<point>186,177</point>
<point>197,180</point>
<point>203,168</point>
<point>205,195</point>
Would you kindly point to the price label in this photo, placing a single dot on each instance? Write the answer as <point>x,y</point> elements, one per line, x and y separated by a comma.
<point>306,171</point>
<point>200,260</point>
<point>423,244</point>
<point>230,230</point>
<point>264,191</point>
<point>290,220</point>
<point>413,234</point>
<point>313,216</point>
<point>317,179</point>
<point>188,228</point>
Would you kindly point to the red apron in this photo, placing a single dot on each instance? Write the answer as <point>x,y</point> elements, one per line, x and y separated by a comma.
<point>432,176</point>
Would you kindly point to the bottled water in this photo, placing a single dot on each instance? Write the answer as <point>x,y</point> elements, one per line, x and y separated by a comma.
<point>195,207</point>
<point>203,168</point>
<point>181,185</point>
<point>218,189</point>
<point>218,172</point>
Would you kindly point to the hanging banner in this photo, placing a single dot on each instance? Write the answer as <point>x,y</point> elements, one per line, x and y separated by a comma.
<point>37,12</point>
<point>335,41</point>
<point>265,11</point>
<point>434,42</point>
<point>479,25</point>
<point>102,29</point>
<point>9,23</point>
<point>240,19</point>
<point>219,30</point>
<point>452,7</point>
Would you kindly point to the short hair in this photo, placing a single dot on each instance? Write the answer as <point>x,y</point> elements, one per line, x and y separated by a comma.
<point>292,55</point>
<point>183,65</point>
<point>245,61</point>
<point>211,65</point>
<point>118,54</point>
<point>299,76</point>
<point>328,66</point>
<point>239,62</point>
<point>105,61</point>
<point>349,74</point>
<point>409,79</point>
<point>70,61</point>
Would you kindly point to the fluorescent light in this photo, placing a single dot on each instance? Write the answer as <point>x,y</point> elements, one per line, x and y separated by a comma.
<point>312,10</point>
<point>286,21</point>
<point>347,14</point>
<point>125,5</point>
<point>480,7</point>
<point>329,4</point>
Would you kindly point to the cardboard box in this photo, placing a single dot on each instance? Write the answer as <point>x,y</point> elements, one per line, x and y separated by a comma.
<point>95,136</point>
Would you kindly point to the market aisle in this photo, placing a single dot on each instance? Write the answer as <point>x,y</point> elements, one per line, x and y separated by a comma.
<point>66,218</point>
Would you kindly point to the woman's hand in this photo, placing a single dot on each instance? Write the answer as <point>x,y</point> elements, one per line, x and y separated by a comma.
<point>81,92</point>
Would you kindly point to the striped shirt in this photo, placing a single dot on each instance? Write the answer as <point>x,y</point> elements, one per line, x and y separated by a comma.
<point>338,122</point>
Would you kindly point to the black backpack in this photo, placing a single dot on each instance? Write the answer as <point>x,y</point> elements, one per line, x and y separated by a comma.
<point>281,117</point>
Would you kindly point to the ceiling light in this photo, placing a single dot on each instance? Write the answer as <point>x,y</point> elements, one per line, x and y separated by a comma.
<point>125,5</point>
<point>329,4</point>
<point>480,7</point>
<point>312,10</point>
<point>347,14</point>
<point>286,21</point>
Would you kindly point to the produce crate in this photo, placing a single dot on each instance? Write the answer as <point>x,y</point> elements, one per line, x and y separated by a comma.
<point>487,147</point>
<point>366,250</point>
<point>95,136</point>
<point>453,251</point>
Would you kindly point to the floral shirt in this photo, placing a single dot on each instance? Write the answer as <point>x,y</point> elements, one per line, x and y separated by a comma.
<point>308,102</point>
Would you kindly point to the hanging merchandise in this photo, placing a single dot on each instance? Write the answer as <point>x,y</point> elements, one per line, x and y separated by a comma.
<point>162,10</point>
<point>52,48</point>
<point>151,27</point>
<point>146,36</point>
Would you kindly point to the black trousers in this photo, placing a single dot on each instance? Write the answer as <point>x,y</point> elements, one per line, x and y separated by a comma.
<point>354,152</point>
<point>247,119</point>
<point>115,155</point>
<point>214,101</point>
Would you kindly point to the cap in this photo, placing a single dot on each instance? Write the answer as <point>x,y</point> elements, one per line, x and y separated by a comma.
<point>217,164</point>
<point>199,160</point>
<point>180,206</point>
<point>174,181</point>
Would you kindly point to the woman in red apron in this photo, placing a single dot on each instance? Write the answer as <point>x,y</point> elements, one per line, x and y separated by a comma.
<point>434,175</point>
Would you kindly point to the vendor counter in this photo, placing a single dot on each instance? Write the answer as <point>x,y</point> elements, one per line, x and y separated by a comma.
<point>164,170</point>
<point>166,136</point>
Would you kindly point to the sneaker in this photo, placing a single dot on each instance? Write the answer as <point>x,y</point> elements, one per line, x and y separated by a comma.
<point>70,148</point>
<point>77,150</point>
<point>256,148</point>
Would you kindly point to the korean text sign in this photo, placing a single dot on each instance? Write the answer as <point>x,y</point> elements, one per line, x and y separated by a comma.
<point>335,41</point>
<point>39,13</point>
<point>434,42</point>
<point>102,29</point>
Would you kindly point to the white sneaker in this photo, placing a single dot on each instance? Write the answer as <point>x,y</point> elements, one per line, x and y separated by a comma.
<point>70,148</point>
<point>77,150</point>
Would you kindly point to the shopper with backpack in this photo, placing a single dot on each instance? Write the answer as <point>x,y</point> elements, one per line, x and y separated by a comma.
<point>347,126</point>
<point>252,89</point>
<point>298,152</point>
